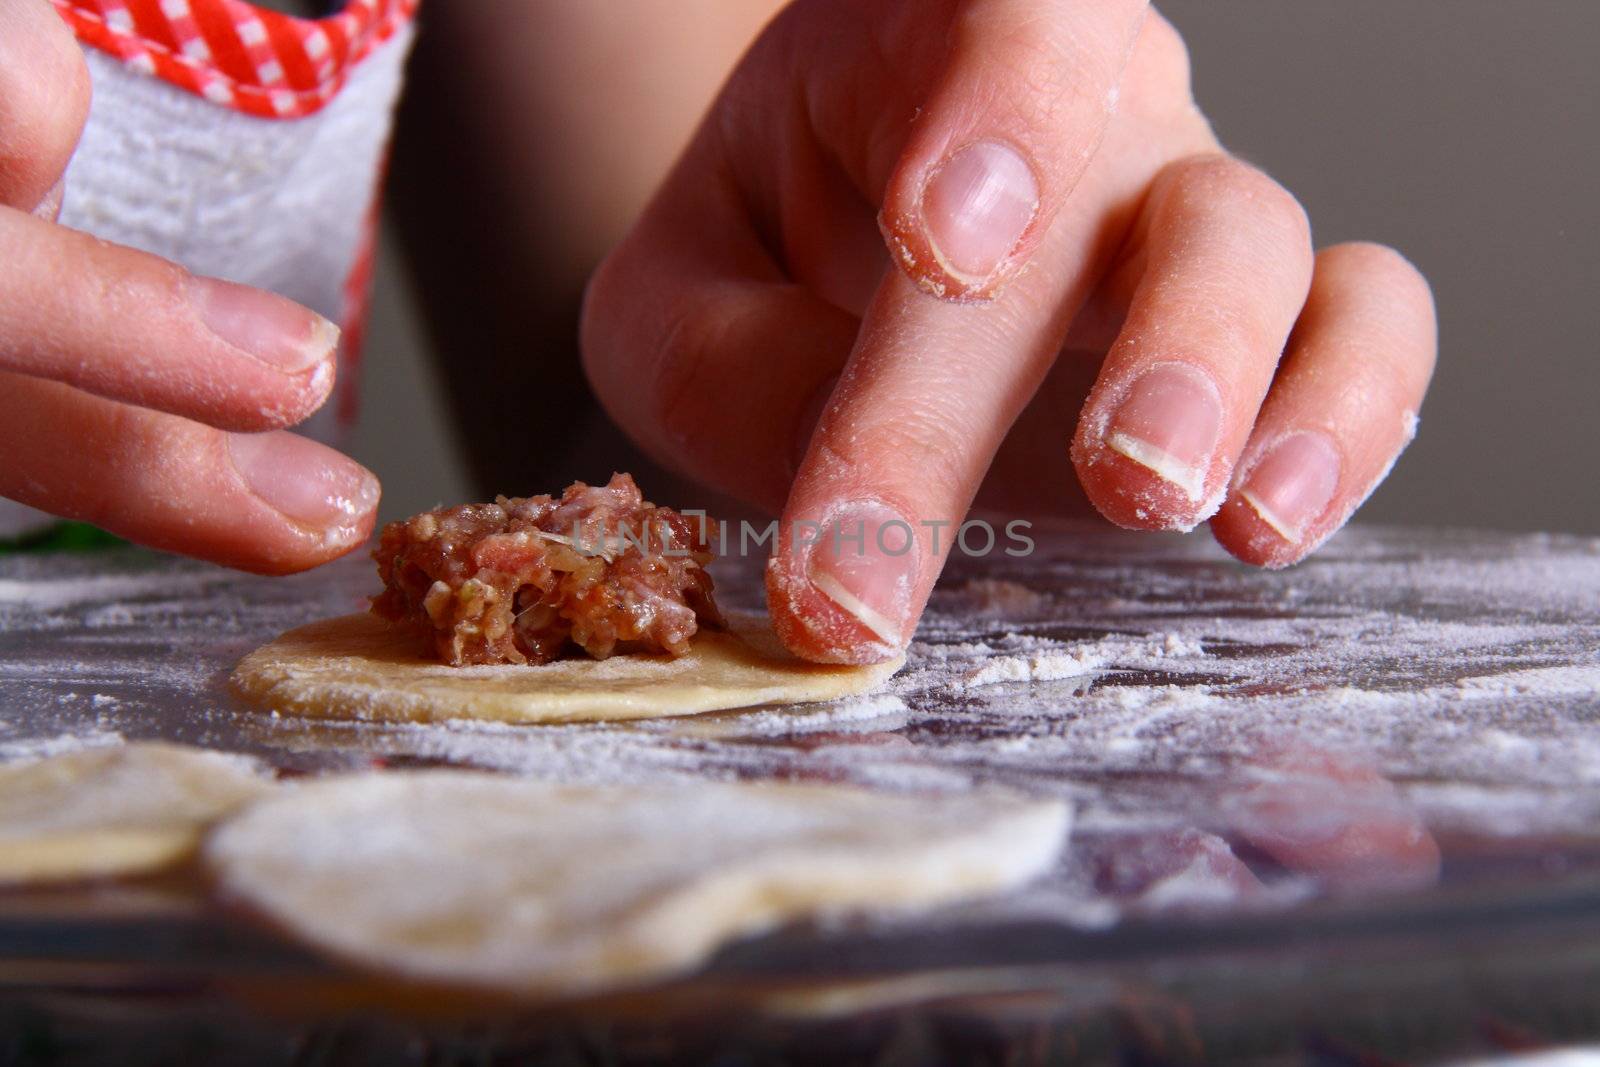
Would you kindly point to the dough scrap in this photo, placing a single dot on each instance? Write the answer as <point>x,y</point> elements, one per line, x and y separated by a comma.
<point>537,888</point>
<point>115,811</point>
<point>362,667</point>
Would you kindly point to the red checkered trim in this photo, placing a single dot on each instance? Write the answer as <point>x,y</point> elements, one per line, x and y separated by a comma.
<point>235,54</point>
<point>353,316</point>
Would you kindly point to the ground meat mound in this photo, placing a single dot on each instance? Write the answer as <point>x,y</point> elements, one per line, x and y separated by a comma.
<point>528,579</point>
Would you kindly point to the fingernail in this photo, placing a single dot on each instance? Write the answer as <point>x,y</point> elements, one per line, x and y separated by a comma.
<point>1168,424</point>
<point>273,329</point>
<point>866,560</point>
<point>303,480</point>
<point>1291,486</point>
<point>976,207</point>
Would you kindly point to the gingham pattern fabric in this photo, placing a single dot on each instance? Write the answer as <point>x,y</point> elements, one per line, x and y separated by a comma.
<point>235,54</point>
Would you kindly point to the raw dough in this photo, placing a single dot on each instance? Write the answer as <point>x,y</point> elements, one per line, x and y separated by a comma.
<point>119,810</point>
<point>538,888</point>
<point>360,666</point>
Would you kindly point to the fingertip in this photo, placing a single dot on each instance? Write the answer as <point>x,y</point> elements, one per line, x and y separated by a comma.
<point>304,395</point>
<point>268,328</point>
<point>1146,454</point>
<point>1130,494</point>
<point>271,503</point>
<point>266,362</point>
<point>309,483</point>
<point>813,626</point>
<point>257,403</point>
<point>1279,510</point>
<point>1227,268</point>
<point>298,553</point>
<point>1246,535</point>
<point>312,389</point>
<point>267,503</point>
<point>1341,411</point>
<point>845,588</point>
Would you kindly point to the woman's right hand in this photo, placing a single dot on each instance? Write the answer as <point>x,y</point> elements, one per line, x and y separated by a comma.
<point>133,394</point>
<point>923,254</point>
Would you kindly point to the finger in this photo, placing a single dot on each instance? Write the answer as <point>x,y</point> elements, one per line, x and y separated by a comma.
<point>933,384</point>
<point>698,345</point>
<point>1341,410</point>
<point>44,100</point>
<point>130,326</point>
<point>713,333</point>
<point>1338,821</point>
<point>1225,257</point>
<point>1023,100</point>
<point>271,503</point>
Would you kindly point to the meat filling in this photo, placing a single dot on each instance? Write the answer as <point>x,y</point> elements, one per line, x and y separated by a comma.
<point>528,579</point>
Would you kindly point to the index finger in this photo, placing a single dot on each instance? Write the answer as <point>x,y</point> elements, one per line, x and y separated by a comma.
<point>953,346</point>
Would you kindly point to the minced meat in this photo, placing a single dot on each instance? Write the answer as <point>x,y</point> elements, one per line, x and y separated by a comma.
<point>528,579</point>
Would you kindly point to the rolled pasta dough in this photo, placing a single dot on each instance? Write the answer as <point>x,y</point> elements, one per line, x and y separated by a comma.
<point>362,667</point>
<point>532,887</point>
<point>117,810</point>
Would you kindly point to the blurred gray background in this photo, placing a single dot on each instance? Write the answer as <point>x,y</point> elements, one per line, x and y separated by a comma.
<point>1464,132</point>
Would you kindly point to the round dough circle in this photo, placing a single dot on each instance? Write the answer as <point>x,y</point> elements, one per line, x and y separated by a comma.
<point>118,810</point>
<point>361,667</point>
<point>533,887</point>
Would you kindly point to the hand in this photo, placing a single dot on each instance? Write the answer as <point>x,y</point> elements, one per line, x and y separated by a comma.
<point>1056,219</point>
<point>133,394</point>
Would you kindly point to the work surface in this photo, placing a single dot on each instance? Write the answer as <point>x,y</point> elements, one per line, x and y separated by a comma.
<point>1265,769</point>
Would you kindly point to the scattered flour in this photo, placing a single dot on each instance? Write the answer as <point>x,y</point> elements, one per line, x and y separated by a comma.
<point>1574,680</point>
<point>44,747</point>
<point>1040,667</point>
<point>810,718</point>
<point>47,594</point>
<point>1139,678</point>
<point>999,598</point>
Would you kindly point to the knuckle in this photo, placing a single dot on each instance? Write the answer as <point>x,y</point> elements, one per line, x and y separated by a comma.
<point>1382,265</point>
<point>1383,289</point>
<point>1157,86</point>
<point>1163,56</point>
<point>110,279</point>
<point>1039,66</point>
<point>1215,183</point>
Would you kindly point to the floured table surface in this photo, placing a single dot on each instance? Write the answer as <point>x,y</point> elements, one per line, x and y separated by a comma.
<point>1252,757</point>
